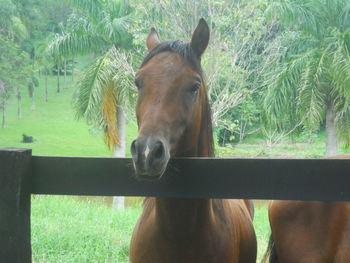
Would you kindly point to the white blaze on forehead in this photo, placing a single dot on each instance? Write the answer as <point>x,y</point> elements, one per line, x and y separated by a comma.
<point>147,151</point>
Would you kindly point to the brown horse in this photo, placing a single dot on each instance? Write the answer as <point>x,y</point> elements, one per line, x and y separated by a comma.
<point>309,232</point>
<point>174,120</point>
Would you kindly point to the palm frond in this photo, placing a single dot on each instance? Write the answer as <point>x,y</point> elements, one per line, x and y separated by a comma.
<point>341,90</point>
<point>294,90</point>
<point>109,112</point>
<point>296,13</point>
<point>342,108</point>
<point>90,8</point>
<point>311,97</point>
<point>98,95</point>
<point>80,24</point>
<point>114,29</point>
<point>69,44</point>
<point>341,69</point>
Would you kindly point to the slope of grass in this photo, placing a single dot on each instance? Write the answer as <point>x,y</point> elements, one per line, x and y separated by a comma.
<point>54,126</point>
<point>66,230</point>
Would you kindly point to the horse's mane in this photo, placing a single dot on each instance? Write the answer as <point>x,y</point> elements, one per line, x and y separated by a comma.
<point>184,49</point>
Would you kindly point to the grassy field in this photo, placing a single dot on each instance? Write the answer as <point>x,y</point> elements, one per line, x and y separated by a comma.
<point>68,229</point>
<point>54,126</point>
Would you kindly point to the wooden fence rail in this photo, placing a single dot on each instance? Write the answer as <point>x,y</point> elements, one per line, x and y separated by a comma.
<point>22,174</point>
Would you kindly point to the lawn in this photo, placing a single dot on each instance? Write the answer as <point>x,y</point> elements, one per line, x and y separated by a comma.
<point>68,230</point>
<point>54,126</point>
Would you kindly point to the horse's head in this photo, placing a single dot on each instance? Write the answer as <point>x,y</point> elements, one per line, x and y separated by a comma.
<point>172,102</point>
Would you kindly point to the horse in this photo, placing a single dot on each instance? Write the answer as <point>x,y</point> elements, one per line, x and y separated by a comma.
<point>309,231</point>
<point>174,120</point>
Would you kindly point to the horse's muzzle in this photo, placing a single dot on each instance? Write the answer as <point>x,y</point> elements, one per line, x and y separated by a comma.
<point>150,157</point>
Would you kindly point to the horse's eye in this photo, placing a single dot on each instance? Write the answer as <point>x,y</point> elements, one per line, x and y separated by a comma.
<point>194,88</point>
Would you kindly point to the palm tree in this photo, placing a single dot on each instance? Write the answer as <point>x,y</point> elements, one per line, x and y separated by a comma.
<point>99,27</point>
<point>309,79</point>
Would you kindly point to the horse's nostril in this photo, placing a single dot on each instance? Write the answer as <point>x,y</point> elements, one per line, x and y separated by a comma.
<point>158,150</point>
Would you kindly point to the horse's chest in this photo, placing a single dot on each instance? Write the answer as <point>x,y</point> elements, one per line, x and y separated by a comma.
<point>186,253</point>
<point>197,249</point>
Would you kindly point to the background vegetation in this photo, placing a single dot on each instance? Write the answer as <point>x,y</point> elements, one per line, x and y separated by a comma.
<point>276,69</point>
<point>278,75</point>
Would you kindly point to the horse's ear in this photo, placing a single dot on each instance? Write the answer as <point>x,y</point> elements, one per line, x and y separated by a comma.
<point>200,38</point>
<point>152,39</point>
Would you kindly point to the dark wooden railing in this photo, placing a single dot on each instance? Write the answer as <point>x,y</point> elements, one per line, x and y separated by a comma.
<point>22,174</point>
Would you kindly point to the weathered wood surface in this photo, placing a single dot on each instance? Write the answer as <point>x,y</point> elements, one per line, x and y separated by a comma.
<point>15,206</point>
<point>289,179</point>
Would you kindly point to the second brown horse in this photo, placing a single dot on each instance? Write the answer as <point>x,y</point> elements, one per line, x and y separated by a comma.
<point>174,120</point>
<point>309,232</point>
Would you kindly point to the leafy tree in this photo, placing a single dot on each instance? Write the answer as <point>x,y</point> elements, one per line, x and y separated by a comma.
<point>309,78</point>
<point>11,24</point>
<point>40,18</point>
<point>14,72</point>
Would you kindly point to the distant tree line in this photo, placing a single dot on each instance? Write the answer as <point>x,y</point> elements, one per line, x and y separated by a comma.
<point>24,28</point>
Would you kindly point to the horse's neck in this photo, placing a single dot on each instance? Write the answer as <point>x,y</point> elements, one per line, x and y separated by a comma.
<point>182,218</point>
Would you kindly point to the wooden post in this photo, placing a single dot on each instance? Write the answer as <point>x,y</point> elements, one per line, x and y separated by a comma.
<point>15,244</point>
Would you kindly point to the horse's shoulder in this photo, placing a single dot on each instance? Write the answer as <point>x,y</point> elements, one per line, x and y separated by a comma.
<point>307,211</point>
<point>281,210</point>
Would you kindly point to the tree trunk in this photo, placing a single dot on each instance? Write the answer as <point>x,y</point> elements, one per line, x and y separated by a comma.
<point>32,107</point>
<point>46,91</point>
<point>119,151</point>
<point>331,136</point>
<point>73,69</point>
<point>3,125</point>
<point>58,79</point>
<point>19,109</point>
<point>65,74</point>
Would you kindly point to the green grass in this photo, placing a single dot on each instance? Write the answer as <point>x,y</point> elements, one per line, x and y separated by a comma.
<point>68,230</point>
<point>54,126</point>
<point>262,227</point>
